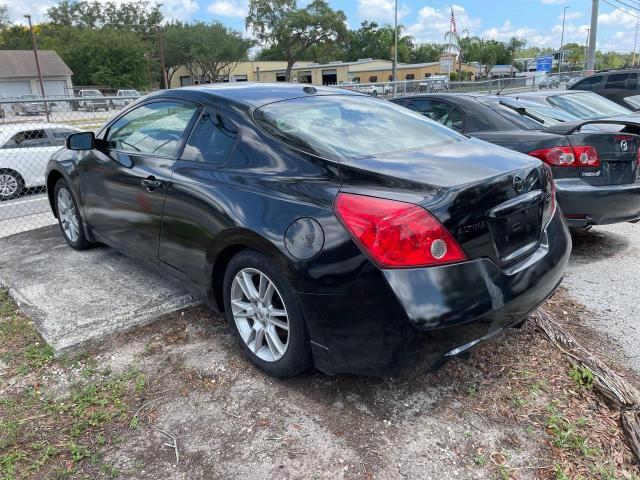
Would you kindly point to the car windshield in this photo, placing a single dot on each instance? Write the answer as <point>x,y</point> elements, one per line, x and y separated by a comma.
<point>587,105</point>
<point>349,126</point>
<point>633,101</point>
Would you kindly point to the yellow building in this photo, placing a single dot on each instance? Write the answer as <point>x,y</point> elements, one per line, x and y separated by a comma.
<point>366,70</point>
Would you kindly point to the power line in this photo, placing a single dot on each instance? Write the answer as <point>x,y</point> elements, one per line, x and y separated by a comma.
<point>622,9</point>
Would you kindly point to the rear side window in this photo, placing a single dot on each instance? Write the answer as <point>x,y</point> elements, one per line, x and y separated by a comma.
<point>28,139</point>
<point>59,135</point>
<point>349,126</point>
<point>211,140</point>
<point>590,83</point>
<point>617,81</point>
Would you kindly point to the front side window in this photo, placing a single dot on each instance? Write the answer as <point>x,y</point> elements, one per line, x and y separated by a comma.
<point>349,126</point>
<point>211,140</point>
<point>153,129</point>
<point>28,139</point>
<point>587,105</point>
<point>589,83</point>
<point>440,112</point>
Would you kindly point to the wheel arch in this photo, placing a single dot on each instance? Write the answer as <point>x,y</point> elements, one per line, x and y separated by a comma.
<point>228,245</point>
<point>52,179</point>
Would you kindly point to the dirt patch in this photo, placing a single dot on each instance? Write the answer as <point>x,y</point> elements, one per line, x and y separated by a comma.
<point>515,409</point>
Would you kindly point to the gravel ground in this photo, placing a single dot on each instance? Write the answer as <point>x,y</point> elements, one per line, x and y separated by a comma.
<point>603,276</point>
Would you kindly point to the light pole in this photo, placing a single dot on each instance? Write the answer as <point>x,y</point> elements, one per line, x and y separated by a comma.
<point>35,53</point>
<point>564,15</point>
<point>395,48</point>
<point>593,34</point>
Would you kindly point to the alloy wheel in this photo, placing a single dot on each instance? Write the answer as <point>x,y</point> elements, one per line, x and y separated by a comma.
<point>68,215</point>
<point>8,185</point>
<point>260,314</point>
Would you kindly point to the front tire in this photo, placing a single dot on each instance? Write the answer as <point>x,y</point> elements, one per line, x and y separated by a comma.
<point>69,218</point>
<point>265,315</point>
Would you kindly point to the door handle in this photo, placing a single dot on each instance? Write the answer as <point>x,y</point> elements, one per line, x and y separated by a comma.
<point>150,183</point>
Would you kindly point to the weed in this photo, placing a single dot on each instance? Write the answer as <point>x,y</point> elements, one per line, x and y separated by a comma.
<point>582,376</point>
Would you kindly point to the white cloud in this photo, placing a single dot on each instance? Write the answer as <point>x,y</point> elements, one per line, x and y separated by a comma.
<point>179,9</point>
<point>618,18</point>
<point>571,15</point>
<point>380,10</point>
<point>229,8</point>
<point>433,23</point>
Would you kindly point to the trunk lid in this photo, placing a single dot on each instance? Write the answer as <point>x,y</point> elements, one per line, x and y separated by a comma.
<point>618,154</point>
<point>494,201</point>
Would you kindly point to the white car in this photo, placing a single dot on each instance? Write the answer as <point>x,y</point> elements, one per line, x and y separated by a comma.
<point>376,90</point>
<point>125,97</point>
<point>25,149</point>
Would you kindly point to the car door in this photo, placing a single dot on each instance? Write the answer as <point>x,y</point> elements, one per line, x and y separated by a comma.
<point>27,153</point>
<point>439,111</point>
<point>123,184</point>
<point>195,203</point>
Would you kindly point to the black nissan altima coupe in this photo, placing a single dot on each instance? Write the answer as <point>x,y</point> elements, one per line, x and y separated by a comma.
<point>331,228</point>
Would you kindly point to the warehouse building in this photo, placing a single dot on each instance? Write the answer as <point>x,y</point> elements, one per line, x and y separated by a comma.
<point>367,70</point>
<point>19,75</point>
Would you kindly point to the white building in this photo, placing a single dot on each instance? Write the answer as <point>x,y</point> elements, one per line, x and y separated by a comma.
<point>19,76</point>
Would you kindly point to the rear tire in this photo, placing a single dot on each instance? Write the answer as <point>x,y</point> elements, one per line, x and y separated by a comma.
<point>11,184</point>
<point>69,219</point>
<point>265,315</point>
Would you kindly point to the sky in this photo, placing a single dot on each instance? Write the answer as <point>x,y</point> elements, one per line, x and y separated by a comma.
<point>539,22</point>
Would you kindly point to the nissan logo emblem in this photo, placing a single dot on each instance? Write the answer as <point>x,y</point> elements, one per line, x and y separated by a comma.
<point>518,184</point>
<point>624,146</point>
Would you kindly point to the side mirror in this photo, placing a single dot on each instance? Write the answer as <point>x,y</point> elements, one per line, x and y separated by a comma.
<point>81,141</point>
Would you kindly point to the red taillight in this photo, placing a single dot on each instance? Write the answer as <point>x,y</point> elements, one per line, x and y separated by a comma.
<point>580,156</point>
<point>397,234</point>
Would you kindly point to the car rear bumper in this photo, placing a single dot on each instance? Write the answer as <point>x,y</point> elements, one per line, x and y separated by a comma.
<point>394,319</point>
<point>585,205</point>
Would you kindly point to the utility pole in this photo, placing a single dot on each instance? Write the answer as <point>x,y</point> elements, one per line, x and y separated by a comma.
<point>564,15</point>
<point>165,80</point>
<point>35,53</point>
<point>593,33</point>
<point>586,48</point>
<point>395,47</point>
<point>635,41</point>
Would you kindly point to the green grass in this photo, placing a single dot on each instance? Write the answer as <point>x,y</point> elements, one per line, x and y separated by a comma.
<point>42,436</point>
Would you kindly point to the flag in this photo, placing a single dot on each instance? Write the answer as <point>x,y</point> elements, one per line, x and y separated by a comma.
<point>453,22</point>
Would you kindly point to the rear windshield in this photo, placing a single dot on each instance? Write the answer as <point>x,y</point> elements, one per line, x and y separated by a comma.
<point>587,105</point>
<point>350,126</point>
<point>541,115</point>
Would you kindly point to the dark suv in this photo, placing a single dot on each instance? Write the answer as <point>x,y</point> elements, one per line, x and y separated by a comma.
<point>616,85</point>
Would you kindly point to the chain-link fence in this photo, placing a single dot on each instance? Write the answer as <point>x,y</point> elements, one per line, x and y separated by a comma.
<point>440,84</point>
<point>32,129</point>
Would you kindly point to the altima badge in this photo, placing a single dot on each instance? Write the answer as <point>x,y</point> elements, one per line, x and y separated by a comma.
<point>624,146</point>
<point>518,184</point>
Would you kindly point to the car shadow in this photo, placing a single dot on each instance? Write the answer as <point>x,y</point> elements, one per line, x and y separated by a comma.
<point>597,244</point>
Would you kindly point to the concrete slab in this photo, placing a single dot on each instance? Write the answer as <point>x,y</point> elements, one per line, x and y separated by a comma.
<point>79,297</point>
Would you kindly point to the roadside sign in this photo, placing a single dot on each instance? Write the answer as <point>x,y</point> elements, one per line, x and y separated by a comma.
<point>544,63</point>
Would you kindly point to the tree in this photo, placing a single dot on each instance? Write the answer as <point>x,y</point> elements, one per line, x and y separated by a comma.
<point>5,22</point>
<point>294,31</point>
<point>139,15</point>
<point>177,42</point>
<point>374,41</point>
<point>215,50</point>
<point>104,56</point>
<point>427,52</point>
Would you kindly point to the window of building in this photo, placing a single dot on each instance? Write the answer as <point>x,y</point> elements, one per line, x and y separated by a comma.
<point>373,78</point>
<point>409,76</point>
<point>281,77</point>
<point>186,80</point>
<point>240,78</point>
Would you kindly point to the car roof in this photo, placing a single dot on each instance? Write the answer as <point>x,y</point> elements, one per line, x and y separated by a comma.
<point>254,94</point>
<point>547,94</point>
